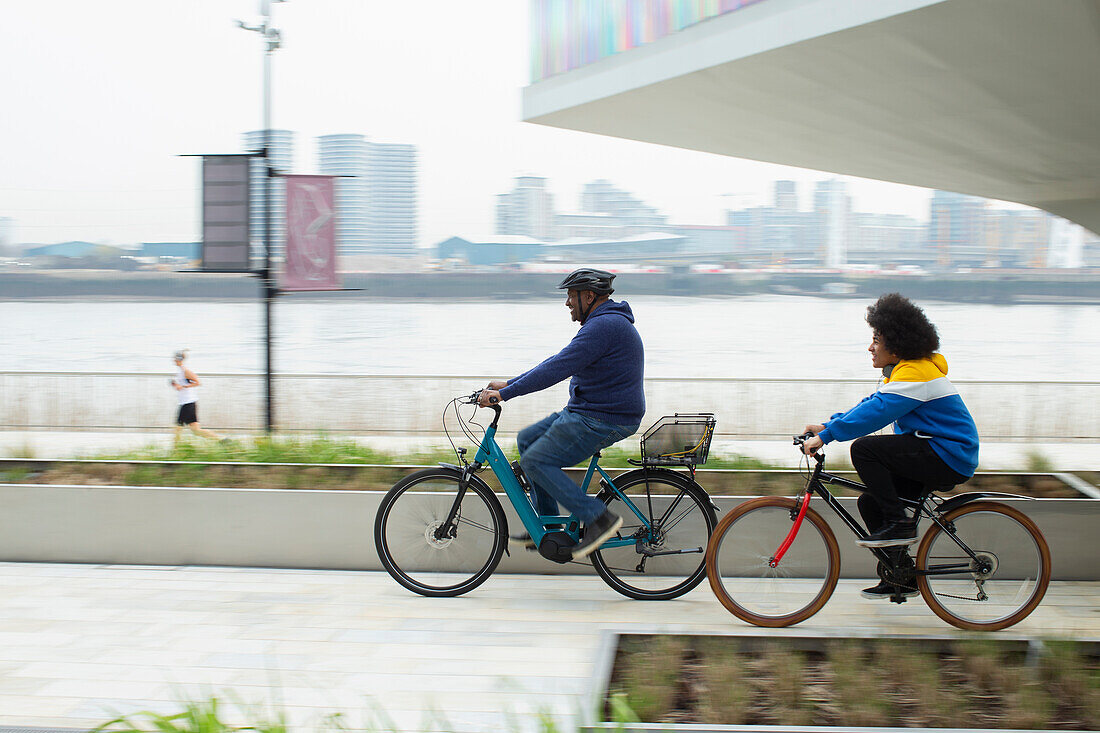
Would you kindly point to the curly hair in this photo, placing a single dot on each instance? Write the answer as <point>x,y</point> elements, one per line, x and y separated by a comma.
<point>902,327</point>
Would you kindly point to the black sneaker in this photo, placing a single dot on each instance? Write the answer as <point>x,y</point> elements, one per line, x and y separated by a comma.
<point>522,540</point>
<point>886,590</point>
<point>596,533</point>
<point>893,534</point>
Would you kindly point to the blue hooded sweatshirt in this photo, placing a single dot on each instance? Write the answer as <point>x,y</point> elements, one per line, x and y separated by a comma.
<point>918,398</point>
<point>606,362</point>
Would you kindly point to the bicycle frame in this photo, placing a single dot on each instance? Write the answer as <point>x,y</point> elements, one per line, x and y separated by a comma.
<point>817,485</point>
<point>490,453</point>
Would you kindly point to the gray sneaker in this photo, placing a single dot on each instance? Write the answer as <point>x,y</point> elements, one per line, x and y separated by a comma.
<point>596,532</point>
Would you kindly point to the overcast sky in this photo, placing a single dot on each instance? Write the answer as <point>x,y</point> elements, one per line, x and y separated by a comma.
<point>99,100</point>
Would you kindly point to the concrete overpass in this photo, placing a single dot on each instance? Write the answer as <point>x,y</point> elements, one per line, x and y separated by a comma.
<point>994,98</point>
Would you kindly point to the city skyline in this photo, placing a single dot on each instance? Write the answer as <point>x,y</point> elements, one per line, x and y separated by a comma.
<point>610,223</point>
<point>812,231</point>
<point>448,83</point>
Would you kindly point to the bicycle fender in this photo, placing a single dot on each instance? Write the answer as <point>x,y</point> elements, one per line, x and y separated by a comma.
<point>664,473</point>
<point>456,473</point>
<point>957,501</point>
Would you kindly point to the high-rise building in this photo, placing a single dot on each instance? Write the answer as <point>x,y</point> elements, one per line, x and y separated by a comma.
<point>786,196</point>
<point>346,156</point>
<point>282,160</point>
<point>392,200</point>
<point>956,229</point>
<point>893,239</point>
<point>1021,238</point>
<point>832,215</point>
<point>1067,244</point>
<point>7,235</point>
<point>528,210</point>
<point>784,231</point>
<point>634,216</point>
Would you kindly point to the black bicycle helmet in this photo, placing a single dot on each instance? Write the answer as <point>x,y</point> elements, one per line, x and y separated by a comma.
<point>586,278</point>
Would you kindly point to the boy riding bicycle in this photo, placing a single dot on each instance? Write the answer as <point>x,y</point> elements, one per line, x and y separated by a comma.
<point>935,441</point>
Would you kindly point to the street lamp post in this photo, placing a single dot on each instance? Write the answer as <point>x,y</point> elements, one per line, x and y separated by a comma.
<point>272,40</point>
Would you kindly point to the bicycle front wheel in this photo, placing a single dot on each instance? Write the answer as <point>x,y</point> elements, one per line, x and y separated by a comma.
<point>754,588</point>
<point>1001,584</point>
<point>666,559</point>
<point>428,560</point>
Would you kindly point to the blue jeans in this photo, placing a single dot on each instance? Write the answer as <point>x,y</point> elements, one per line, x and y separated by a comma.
<point>565,439</point>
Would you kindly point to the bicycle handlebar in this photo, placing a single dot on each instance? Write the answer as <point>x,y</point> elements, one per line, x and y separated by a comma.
<point>800,440</point>
<point>472,398</point>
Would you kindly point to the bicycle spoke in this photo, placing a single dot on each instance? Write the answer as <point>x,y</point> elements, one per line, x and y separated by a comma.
<point>421,557</point>
<point>666,526</point>
<point>478,525</point>
<point>668,563</point>
<point>1001,584</point>
<point>740,570</point>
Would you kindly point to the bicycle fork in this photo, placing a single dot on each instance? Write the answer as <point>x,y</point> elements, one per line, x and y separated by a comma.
<point>448,530</point>
<point>800,507</point>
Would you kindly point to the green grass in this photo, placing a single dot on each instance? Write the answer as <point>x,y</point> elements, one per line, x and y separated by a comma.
<point>206,716</point>
<point>318,449</point>
<point>24,451</point>
<point>965,683</point>
<point>1037,462</point>
<point>651,681</point>
<point>326,449</point>
<point>16,475</point>
<point>859,685</point>
<point>211,716</point>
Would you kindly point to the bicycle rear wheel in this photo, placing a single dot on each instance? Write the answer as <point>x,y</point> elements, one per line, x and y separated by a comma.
<point>1001,585</point>
<point>739,563</point>
<point>405,533</point>
<point>680,519</point>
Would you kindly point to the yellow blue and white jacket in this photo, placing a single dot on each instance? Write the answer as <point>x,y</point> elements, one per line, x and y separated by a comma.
<point>918,398</point>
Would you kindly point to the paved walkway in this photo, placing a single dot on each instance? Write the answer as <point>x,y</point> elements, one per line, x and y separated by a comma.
<point>80,643</point>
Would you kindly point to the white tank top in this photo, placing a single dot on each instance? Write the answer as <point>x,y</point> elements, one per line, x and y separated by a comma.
<point>187,394</point>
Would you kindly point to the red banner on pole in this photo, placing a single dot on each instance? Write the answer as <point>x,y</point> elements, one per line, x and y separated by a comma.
<point>310,234</point>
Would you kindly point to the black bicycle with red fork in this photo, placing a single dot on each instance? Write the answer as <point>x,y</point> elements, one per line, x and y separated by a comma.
<point>981,565</point>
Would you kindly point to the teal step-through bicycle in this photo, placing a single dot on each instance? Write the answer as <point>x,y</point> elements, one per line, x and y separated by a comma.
<point>442,531</point>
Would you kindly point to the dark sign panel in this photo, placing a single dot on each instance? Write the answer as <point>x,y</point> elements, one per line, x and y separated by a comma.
<point>225,213</point>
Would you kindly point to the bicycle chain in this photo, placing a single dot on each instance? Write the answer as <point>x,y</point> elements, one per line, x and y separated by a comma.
<point>961,598</point>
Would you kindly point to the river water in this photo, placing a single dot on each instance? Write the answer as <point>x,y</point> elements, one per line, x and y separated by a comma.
<point>750,337</point>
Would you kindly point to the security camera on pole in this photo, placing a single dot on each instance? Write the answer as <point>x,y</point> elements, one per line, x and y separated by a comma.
<point>272,40</point>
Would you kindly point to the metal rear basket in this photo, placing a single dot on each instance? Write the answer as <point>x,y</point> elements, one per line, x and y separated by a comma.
<point>678,440</point>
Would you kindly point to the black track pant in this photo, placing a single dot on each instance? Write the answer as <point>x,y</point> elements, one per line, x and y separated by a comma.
<point>894,466</point>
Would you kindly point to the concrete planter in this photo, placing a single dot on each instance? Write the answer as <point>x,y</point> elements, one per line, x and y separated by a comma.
<point>606,659</point>
<point>289,528</point>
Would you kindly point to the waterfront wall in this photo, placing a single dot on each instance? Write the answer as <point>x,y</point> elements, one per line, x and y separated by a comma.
<point>1054,286</point>
<point>413,405</point>
<point>335,529</point>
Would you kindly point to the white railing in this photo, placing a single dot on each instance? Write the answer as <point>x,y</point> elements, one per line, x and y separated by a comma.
<point>413,405</point>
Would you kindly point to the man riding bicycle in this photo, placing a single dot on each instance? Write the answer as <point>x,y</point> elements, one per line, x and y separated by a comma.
<point>605,363</point>
<point>935,441</point>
